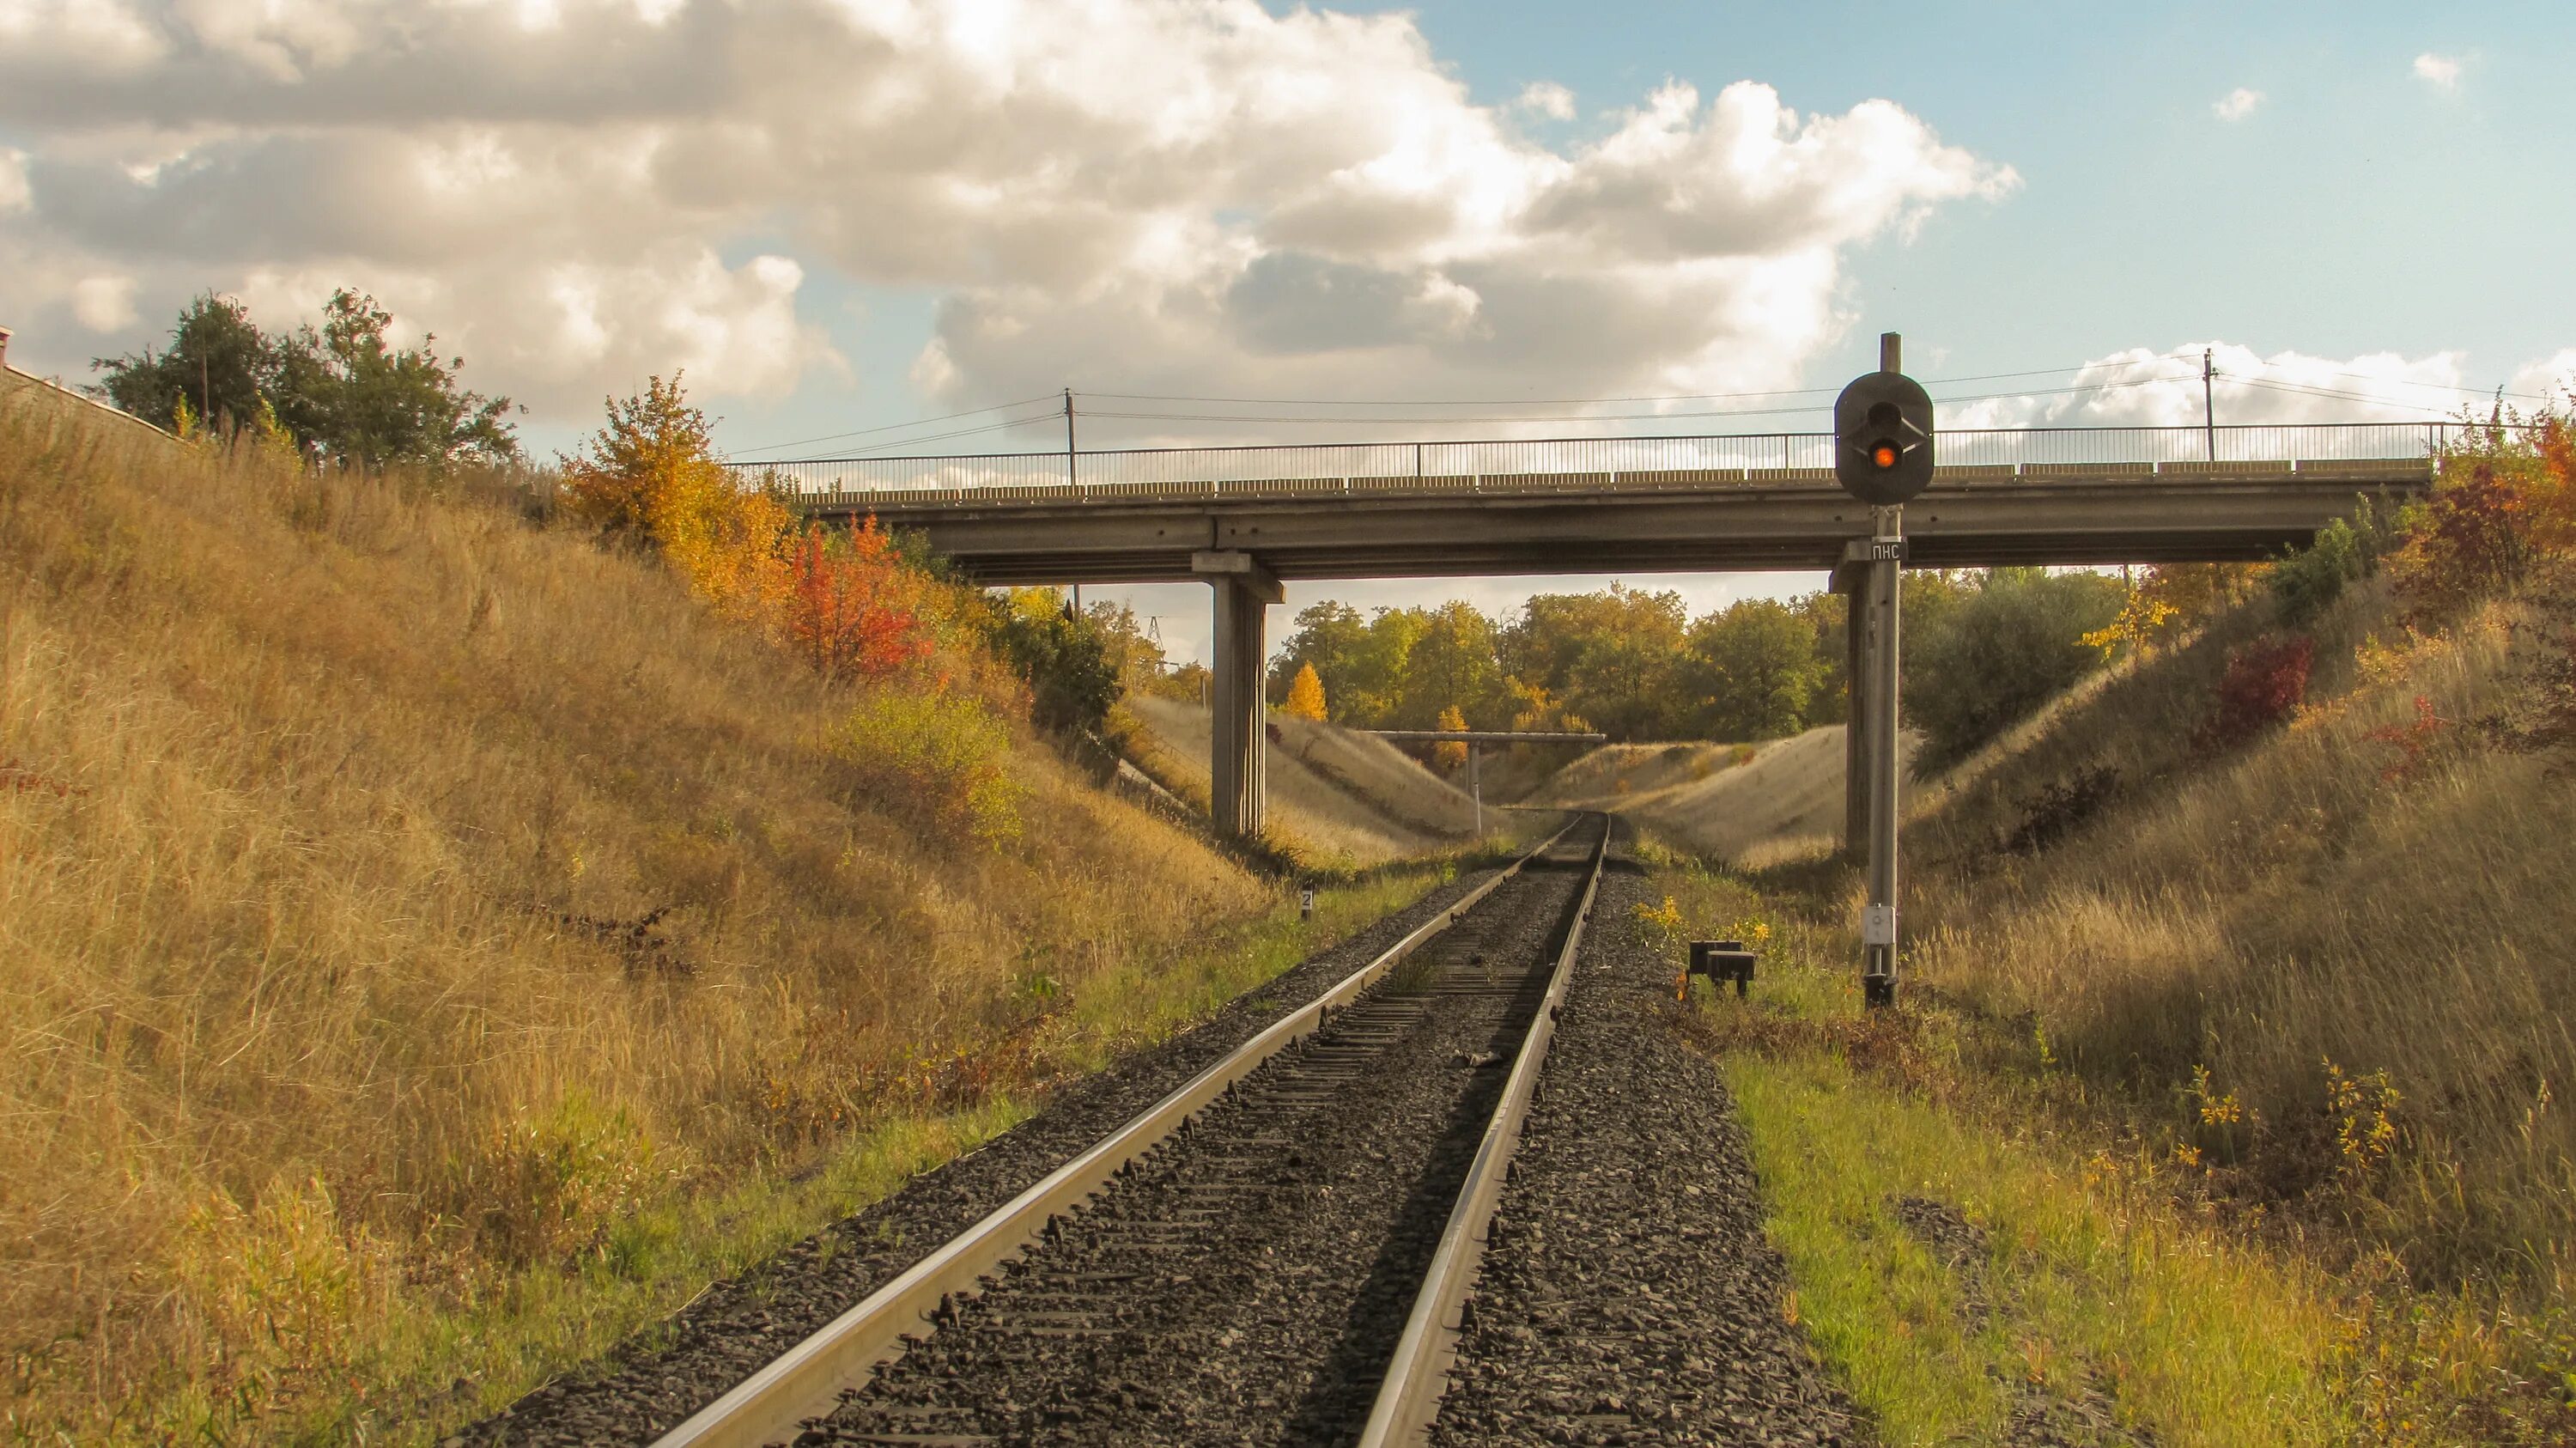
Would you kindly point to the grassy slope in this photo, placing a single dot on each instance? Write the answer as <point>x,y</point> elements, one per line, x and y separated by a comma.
<point>2368,968</point>
<point>1726,801</point>
<point>1330,791</point>
<point>2263,911</point>
<point>338,1062</point>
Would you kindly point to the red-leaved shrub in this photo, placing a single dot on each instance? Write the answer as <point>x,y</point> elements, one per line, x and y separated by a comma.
<point>2418,743</point>
<point>2265,683</point>
<point>852,605</point>
<point>2472,539</point>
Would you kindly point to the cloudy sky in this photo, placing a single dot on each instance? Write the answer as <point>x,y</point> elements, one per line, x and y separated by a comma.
<point>844,215</point>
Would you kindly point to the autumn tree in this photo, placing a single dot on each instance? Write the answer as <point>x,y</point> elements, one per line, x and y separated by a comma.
<point>2473,536</point>
<point>1991,656</point>
<point>1363,663</point>
<point>1305,695</point>
<point>1450,757</point>
<point>1328,637</point>
<point>1611,655</point>
<point>1068,660</point>
<point>651,475</point>
<point>851,606</point>
<point>1452,667</point>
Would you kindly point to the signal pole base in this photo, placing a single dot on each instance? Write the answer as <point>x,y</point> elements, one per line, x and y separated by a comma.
<point>1878,992</point>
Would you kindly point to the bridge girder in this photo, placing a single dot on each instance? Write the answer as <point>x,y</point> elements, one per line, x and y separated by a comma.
<point>2141,519</point>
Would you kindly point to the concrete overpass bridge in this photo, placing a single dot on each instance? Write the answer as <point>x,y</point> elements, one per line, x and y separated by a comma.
<point>1242,519</point>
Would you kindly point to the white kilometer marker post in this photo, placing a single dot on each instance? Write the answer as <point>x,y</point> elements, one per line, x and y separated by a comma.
<point>1882,456</point>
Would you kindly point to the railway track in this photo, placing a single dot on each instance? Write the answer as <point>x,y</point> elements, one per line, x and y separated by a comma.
<point>1274,1253</point>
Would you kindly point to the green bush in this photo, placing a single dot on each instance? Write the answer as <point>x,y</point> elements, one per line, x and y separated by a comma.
<point>1066,659</point>
<point>1988,661</point>
<point>2310,579</point>
<point>946,754</point>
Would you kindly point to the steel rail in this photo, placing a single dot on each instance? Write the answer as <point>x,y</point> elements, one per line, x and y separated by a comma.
<point>1409,1397</point>
<point>803,1381</point>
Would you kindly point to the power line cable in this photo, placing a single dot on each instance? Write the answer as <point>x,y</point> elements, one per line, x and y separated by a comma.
<point>1568,401</point>
<point>2305,390</point>
<point>2497,391</point>
<point>1002,426</point>
<point>863,454</point>
<point>1596,417</point>
<point>887,427</point>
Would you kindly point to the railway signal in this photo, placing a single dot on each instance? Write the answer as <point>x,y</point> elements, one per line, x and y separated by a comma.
<point>1883,445</point>
<point>1883,434</point>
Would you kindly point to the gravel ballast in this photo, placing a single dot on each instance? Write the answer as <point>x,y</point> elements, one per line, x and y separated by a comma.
<point>1246,1283</point>
<point>1628,1295</point>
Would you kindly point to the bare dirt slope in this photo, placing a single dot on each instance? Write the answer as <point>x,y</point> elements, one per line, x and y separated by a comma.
<point>1711,798</point>
<point>1334,789</point>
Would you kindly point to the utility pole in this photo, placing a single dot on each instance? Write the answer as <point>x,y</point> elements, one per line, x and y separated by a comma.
<point>2208,404</point>
<point>1878,920</point>
<point>1071,478</point>
<point>1476,785</point>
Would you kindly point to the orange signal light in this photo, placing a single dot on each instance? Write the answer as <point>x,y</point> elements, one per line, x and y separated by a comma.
<point>1884,455</point>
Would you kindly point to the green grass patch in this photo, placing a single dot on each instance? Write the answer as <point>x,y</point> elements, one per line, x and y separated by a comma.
<point>2081,1289</point>
<point>2086,1292</point>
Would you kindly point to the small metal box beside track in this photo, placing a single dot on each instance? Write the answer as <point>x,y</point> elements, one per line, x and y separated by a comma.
<point>1723,960</point>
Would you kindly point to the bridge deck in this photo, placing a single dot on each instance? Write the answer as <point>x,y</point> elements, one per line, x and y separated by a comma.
<point>1646,520</point>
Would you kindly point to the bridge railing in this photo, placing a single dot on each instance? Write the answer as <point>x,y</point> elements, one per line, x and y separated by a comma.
<point>1144,469</point>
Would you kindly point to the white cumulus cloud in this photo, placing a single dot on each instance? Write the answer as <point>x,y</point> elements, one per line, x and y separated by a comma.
<point>2143,387</point>
<point>105,303</point>
<point>2442,70</point>
<point>1158,195</point>
<point>1547,98</point>
<point>2237,104</point>
<point>2551,380</point>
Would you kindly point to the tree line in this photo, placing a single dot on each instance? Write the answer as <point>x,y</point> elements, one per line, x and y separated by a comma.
<point>340,392</point>
<point>1982,650</point>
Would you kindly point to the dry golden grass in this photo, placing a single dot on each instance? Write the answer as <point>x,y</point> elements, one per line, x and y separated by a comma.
<point>2262,912</point>
<point>1337,794</point>
<point>396,892</point>
<point>1748,803</point>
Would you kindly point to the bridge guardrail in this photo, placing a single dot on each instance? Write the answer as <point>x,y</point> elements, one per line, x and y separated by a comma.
<point>1616,463</point>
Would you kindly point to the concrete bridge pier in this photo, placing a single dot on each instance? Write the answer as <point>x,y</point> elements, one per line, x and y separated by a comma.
<point>1236,712</point>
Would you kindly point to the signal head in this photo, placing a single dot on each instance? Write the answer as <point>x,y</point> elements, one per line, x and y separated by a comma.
<point>1883,438</point>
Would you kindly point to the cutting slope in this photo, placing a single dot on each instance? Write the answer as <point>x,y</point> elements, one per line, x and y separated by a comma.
<point>402,898</point>
<point>1335,790</point>
<point>1727,800</point>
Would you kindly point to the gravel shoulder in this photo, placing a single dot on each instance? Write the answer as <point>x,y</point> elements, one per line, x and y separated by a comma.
<point>1628,1295</point>
<point>637,1393</point>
